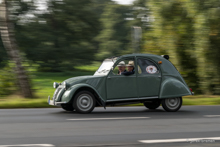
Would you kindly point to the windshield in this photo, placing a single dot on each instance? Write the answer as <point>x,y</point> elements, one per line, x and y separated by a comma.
<point>105,66</point>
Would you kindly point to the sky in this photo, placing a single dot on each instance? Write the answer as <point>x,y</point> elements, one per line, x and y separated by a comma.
<point>124,2</point>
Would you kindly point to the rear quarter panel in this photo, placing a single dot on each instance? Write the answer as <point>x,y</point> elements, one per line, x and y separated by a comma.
<point>173,87</point>
<point>172,83</point>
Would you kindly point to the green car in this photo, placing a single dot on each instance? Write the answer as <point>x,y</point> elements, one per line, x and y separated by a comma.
<point>135,78</point>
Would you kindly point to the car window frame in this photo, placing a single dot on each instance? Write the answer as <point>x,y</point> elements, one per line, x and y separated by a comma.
<point>119,60</point>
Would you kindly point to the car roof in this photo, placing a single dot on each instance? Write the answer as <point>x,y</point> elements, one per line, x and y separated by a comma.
<point>139,54</point>
<point>151,56</point>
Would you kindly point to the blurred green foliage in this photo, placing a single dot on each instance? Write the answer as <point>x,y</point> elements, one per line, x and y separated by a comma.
<point>189,32</point>
<point>115,37</point>
<point>61,37</point>
<point>7,80</point>
<point>73,35</point>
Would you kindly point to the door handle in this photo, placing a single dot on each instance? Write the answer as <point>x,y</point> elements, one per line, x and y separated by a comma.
<point>109,77</point>
<point>159,76</point>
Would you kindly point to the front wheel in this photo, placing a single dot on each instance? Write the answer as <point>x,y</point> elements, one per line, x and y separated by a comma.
<point>172,104</point>
<point>84,102</point>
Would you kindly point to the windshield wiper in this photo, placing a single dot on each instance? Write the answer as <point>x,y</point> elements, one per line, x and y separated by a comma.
<point>104,70</point>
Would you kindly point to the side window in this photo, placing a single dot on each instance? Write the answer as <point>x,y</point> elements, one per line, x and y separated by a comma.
<point>147,67</point>
<point>125,67</point>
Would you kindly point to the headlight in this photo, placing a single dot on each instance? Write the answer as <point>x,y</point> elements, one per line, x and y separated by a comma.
<point>66,85</point>
<point>55,85</point>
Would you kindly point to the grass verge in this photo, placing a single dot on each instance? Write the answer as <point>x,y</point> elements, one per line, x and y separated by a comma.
<point>197,100</point>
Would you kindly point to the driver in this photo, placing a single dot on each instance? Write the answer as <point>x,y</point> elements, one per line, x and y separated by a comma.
<point>130,67</point>
<point>121,67</point>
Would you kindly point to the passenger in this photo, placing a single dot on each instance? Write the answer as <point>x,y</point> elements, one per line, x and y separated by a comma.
<point>130,67</point>
<point>121,67</point>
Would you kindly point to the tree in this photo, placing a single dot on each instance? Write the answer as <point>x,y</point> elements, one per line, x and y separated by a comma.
<point>3,55</point>
<point>140,13</point>
<point>115,36</point>
<point>61,37</point>
<point>189,32</point>
<point>12,50</point>
<point>172,33</point>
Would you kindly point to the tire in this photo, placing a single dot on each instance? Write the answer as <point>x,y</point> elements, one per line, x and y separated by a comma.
<point>67,107</point>
<point>84,102</point>
<point>152,105</point>
<point>172,104</point>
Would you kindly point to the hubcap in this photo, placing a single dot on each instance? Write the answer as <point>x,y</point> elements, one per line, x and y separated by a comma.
<point>172,103</point>
<point>84,102</point>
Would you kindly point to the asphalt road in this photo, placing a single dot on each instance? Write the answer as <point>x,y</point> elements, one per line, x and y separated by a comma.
<point>115,126</point>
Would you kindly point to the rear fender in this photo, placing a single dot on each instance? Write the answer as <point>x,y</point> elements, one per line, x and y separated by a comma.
<point>172,87</point>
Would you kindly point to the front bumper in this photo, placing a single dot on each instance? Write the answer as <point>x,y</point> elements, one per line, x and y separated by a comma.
<point>54,103</point>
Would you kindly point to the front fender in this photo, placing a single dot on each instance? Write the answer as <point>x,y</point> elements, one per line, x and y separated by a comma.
<point>68,94</point>
<point>172,87</point>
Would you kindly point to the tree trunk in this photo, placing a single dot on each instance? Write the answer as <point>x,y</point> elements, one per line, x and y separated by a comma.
<point>8,40</point>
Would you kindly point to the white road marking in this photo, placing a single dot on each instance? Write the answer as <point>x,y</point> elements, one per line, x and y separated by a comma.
<point>190,140</point>
<point>28,145</point>
<point>211,115</point>
<point>109,118</point>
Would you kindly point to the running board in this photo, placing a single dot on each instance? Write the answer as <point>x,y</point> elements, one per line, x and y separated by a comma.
<point>132,99</point>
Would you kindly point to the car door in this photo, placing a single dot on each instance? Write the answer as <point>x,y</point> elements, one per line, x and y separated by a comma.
<point>148,78</point>
<point>121,86</point>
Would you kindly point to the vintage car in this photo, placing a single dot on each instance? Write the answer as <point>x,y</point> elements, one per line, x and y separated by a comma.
<point>154,81</point>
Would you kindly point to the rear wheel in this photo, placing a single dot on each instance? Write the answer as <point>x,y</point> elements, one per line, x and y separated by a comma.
<point>67,107</point>
<point>84,102</point>
<point>172,104</point>
<point>152,105</point>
